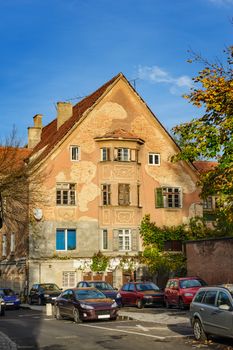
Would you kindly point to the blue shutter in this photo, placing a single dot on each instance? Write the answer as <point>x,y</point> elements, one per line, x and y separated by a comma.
<point>71,239</point>
<point>60,240</point>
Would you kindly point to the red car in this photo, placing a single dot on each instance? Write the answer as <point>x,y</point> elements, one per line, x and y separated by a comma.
<point>180,291</point>
<point>141,294</point>
<point>83,304</point>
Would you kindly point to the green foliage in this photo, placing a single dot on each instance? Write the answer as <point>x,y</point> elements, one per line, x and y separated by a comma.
<point>99,262</point>
<point>211,135</point>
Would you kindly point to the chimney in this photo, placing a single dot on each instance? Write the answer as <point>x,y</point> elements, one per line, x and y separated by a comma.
<point>34,132</point>
<point>64,112</point>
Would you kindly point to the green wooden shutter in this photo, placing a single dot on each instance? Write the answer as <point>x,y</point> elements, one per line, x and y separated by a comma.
<point>159,198</point>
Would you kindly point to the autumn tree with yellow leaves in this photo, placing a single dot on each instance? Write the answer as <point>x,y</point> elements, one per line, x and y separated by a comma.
<point>210,137</point>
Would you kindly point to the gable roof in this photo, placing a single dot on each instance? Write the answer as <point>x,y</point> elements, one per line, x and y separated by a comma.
<point>203,166</point>
<point>50,135</point>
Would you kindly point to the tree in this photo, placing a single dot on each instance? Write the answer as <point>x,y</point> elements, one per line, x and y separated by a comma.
<point>210,137</point>
<point>20,188</point>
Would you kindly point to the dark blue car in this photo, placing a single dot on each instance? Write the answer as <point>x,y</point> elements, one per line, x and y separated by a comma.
<point>104,287</point>
<point>10,297</point>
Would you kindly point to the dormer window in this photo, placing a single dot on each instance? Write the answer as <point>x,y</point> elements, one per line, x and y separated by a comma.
<point>75,153</point>
<point>105,154</point>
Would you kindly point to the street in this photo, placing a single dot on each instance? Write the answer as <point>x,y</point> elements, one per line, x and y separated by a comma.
<point>32,329</point>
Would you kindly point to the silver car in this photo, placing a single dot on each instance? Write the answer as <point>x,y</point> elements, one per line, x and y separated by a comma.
<point>211,312</point>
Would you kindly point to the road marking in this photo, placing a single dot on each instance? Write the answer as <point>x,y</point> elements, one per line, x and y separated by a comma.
<point>67,337</point>
<point>123,331</point>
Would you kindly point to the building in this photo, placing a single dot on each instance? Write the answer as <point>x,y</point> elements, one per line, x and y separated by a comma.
<point>106,162</point>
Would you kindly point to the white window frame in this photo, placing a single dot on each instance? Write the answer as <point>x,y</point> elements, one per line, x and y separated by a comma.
<point>70,188</point>
<point>75,153</point>
<point>4,245</point>
<point>173,192</point>
<point>67,277</point>
<point>105,154</point>
<point>12,242</point>
<point>154,159</point>
<point>124,240</point>
<point>104,239</point>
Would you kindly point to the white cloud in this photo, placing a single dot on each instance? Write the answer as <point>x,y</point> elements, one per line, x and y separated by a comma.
<point>155,74</point>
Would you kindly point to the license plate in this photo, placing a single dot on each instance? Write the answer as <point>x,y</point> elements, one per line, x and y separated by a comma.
<point>9,303</point>
<point>53,298</point>
<point>103,316</point>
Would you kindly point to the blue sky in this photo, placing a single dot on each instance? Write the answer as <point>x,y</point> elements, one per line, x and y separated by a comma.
<point>59,50</point>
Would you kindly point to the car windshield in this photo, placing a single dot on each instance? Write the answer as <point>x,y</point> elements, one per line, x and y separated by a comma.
<point>101,285</point>
<point>146,286</point>
<point>6,292</point>
<point>192,283</point>
<point>89,294</point>
<point>49,286</point>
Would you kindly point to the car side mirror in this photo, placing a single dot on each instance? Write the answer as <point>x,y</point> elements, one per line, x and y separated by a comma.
<point>224,307</point>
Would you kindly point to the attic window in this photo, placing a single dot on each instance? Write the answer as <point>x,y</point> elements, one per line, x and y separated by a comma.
<point>75,153</point>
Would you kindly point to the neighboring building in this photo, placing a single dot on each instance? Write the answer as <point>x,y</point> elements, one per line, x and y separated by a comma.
<point>107,163</point>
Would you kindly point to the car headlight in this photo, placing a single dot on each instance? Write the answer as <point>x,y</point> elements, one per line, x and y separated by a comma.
<point>46,295</point>
<point>114,304</point>
<point>17,299</point>
<point>87,307</point>
<point>188,294</point>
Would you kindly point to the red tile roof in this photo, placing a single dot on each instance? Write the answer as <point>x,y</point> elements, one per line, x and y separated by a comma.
<point>120,134</point>
<point>50,135</point>
<point>204,166</point>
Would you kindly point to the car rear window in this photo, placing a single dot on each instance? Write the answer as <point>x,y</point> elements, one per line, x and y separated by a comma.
<point>192,283</point>
<point>146,286</point>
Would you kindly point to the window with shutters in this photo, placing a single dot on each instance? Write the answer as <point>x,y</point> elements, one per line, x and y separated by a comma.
<point>75,153</point>
<point>104,239</point>
<point>65,194</point>
<point>168,197</point>
<point>125,155</point>
<point>124,239</point>
<point>106,194</point>
<point>154,158</point>
<point>123,194</point>
<point>105,154</point>
<point>68,279</point>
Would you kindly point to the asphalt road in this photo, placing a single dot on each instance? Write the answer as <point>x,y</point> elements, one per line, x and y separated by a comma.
<point>32,329</point>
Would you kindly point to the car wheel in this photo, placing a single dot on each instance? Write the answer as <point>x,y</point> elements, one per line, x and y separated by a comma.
<point>199,333</point>
<point>76,316</point>
<point>29,300</point>
<point>168,306</point>
<point>57,313</point>
<point>40,301</point>
<point>139,304</point>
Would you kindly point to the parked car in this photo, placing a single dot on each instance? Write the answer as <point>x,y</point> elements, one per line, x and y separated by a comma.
<point>180,291</point>
<point>141,294</point>
<point>104,287</point>
<point>2,306</point>
<point>43,293</point>
<point>11,299</point>
<point>83,304</point>
<point>211,312</point>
